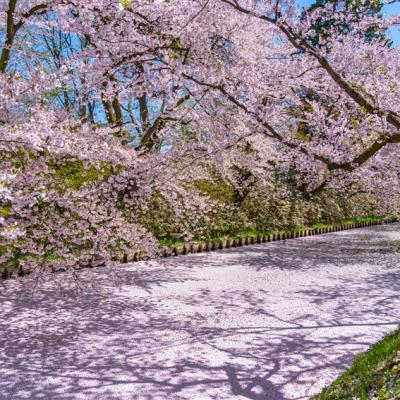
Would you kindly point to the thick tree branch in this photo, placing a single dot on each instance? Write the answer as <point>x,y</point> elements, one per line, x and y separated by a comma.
<point>362,100</point>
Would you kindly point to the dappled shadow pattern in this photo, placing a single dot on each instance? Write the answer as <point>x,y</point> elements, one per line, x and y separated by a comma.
<point>274,321</point>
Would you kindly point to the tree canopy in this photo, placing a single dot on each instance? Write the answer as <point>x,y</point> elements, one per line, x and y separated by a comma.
<point>106,102</point>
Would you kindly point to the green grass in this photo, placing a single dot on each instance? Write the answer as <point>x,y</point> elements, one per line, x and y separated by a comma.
<point>373,375</point>
<point>371,218</point>
<point>168,242</point>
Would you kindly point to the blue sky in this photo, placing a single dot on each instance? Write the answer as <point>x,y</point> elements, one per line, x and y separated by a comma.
<point>388,10</point>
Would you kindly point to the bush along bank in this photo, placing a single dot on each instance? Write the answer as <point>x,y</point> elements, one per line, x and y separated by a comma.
<point>177,249</point>
<point>243,239</point>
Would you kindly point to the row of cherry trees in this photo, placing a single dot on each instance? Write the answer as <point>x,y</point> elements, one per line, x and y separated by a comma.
<point>106,102</point>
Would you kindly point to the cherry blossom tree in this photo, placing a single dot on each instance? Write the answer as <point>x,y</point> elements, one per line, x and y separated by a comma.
<point>106,102</point>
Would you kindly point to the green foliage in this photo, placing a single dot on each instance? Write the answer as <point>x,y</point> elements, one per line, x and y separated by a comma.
<point>5,211</point>
<point>158,217</point>
<point>259,211</point>
<point>125,3</point>
<point>217,189</point>
<point>73,174</point>
<point>178,50</point>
